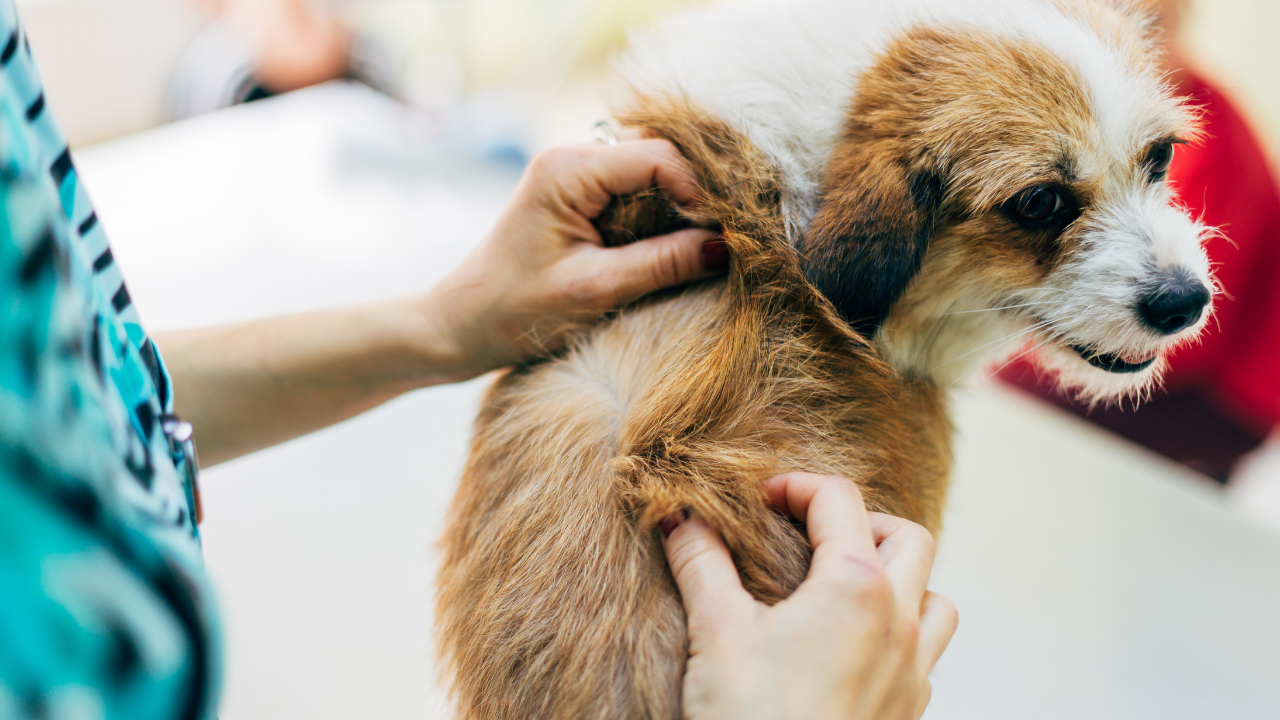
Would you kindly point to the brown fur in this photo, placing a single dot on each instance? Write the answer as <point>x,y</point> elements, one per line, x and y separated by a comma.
<point>555,599</point>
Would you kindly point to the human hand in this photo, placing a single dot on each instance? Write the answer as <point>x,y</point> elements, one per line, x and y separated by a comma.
<point>295,44</point>
<point>857,639</point>
<point>543,269</point>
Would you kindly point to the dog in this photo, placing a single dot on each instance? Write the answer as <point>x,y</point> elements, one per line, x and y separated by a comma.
<point>909,190</point>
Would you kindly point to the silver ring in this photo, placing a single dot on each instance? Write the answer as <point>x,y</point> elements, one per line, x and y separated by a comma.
<point>606,132</point>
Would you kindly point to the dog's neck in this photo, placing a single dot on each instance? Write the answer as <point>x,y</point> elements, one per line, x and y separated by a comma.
<point>952,345</point>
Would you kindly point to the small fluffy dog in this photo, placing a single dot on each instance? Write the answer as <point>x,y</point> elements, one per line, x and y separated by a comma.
<point>909,190</point>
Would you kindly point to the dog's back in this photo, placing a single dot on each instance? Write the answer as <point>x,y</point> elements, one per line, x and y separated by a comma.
<point>555,599</point>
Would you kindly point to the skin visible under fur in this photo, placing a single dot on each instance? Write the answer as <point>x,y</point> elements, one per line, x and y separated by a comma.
<point>555,600</point>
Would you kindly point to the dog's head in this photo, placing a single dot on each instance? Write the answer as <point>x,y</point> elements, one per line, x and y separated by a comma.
<point>994,189</point>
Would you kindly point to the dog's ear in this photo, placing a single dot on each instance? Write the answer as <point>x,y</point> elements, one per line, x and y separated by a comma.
<point>869,236</point>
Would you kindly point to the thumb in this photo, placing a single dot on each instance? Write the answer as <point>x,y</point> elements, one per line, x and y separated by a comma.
<point>661,262</point>
<point>704,572</point>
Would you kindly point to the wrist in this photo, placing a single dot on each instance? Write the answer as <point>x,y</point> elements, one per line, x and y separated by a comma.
<point>440,339</point>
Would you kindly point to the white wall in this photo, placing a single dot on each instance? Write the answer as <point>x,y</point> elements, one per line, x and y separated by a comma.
<point>1236,43</point>
<point>106,63</point>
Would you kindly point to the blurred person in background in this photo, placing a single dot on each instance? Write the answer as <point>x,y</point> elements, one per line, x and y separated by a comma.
<point>253,49</point>
<point>1221,396</point>
<point>105,608</point>
<point>482,76</point>
<point>430,53</point>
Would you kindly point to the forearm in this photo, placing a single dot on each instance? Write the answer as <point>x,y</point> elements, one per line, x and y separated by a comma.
<point>249,386</point>
<point>540,274</point>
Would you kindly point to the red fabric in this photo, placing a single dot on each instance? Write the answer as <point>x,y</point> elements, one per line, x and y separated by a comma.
<point>1227,182</point>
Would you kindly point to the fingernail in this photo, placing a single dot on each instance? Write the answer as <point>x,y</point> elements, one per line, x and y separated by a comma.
<point>715,254</point>
<point>671,522</point>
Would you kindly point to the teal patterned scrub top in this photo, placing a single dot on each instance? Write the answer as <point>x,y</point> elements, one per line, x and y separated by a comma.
<point>105,609</point>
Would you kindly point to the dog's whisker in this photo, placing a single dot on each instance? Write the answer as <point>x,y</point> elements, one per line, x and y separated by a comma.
<point>1020,355</point>
<point>936,334</point>
<point>1012,336</point>
<point>996,309</point>
<point>983,360</point>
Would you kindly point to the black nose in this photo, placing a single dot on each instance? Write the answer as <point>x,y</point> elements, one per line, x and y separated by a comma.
<point>1175,305</point>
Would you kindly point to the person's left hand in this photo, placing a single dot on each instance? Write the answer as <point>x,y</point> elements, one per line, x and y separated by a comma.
<point>857,639</point>
<point>543,270</point>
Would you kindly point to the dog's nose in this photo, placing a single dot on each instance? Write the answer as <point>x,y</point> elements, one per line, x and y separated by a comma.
<point>1175,305</point>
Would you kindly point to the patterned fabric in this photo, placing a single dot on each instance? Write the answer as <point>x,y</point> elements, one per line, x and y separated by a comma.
<point>104,606</point>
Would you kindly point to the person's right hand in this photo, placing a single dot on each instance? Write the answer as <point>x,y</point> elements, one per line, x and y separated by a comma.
<point>857,639</point>
<point>544,272</point>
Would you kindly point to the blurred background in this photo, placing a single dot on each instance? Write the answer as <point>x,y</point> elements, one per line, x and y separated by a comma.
<point>256,157</point>
<point>508,65</point>
<point>109,66</point>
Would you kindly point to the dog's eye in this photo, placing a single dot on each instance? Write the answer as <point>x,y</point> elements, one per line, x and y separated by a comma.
<point>1043,208</point>
<point>1159,160</point>
<point>1039,204</point>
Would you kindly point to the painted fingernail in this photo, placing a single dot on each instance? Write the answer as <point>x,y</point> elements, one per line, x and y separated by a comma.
<point>715,254</point>
<point>671,522</point>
